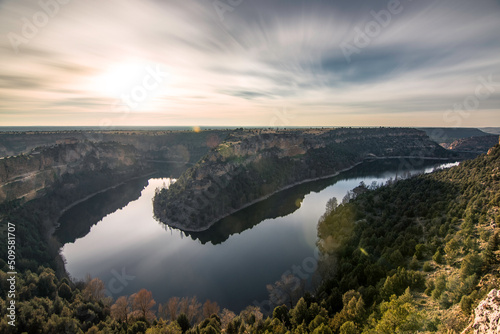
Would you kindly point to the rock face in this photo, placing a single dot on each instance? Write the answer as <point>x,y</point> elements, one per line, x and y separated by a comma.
<point>32,161</point>
<point>487,315</point>
<point>479,144</point>
<point>253,164</point>
<point>188,146</point>
<point>446,136</point>
<point>490,151</point>
<point>27,176</point>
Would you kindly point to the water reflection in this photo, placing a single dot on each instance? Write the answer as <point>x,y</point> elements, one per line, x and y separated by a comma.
<point>287,202</point>
<point>231,263</point>
<point>78,221</point>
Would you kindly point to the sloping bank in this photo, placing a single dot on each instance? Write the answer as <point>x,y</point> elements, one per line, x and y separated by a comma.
<point>251,165</point>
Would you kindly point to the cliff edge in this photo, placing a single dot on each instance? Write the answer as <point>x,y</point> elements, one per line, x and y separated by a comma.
<point>253,164</point>
<point>486,315</point>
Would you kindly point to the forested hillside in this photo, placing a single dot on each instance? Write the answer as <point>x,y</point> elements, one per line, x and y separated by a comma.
<point>415,255</point>
<point>412,256</point>
<point>252,164</point>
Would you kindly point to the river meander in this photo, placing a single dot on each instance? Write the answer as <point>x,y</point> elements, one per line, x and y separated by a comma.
<point>114,236</point>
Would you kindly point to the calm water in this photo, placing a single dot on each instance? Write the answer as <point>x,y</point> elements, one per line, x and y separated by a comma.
<point>114,236</point>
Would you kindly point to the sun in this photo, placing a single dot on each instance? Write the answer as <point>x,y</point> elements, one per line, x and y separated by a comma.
<point>120,78</point>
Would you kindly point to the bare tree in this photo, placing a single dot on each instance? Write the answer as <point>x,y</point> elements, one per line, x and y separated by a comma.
<point>210,308</point>
<point>191,308</point>
<point>226,317</point>
<point>331,205</point>
<point>142,303</point>
<point>251,314</point>
<point>94,289</point>
<point>121,309</point>
<point>287,290</point>
<point>172,308</point>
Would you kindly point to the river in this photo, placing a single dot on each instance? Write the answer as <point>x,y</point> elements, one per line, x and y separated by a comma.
<point>114,236</point>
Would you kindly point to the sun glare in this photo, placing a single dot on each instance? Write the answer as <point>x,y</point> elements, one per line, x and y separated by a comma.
<point>120,78</point>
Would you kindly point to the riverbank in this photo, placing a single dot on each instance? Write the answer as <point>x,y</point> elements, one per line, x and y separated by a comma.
<point>55,225</point>
<point>260,199</point>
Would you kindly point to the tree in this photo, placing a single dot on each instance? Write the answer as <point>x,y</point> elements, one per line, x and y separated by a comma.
<point>94,289</point>
<point>46,283</point>
<point>420,251</point>
<point>471,264</point>
<point>226,317</point>
<point>210,308</point>
<point>64,291</point>
<point>183,322</point>
<point>120,309</point>
<point>287,290</point>
<point>399,315</point>
<point>331,205</point>
<point>349,327</point>
<point>439,286</point>
<point>281,313</point>
<point>414,264</point>
<point>323,329</point>
<point>438,257</point>
<point>142,303</point>
<point>191,308</point>
<point>451,250</point>
<point>317,322</point>
<point>489,257</point>
<point>251,314</point>
<point>428,266</point>
<point>300,313</point>
<point>353,310</point>
<point>171,308</point>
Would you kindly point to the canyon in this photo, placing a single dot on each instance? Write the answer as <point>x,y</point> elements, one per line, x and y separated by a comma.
<point>251,165</point>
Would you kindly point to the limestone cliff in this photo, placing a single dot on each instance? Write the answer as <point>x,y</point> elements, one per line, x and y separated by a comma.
<point>27,176</point>
<point>480,144</point>
<point>252,164</point>
<point>186,146</point>
<point>486,315</point>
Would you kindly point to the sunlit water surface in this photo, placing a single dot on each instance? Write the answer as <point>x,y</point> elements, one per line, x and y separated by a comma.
<point>129,250</point>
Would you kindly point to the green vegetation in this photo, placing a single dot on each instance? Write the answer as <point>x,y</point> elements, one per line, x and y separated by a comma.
<point>415,255</point>
<point>253,164</point>
<point>434,234</point>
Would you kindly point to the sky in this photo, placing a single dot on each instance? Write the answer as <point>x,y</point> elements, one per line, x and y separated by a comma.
<point>250,63</point>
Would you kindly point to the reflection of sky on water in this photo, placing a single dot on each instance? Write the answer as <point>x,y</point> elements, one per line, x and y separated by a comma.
<point>234,273</point>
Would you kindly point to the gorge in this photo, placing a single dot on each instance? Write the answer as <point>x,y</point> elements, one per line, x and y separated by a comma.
<point>252,164</point>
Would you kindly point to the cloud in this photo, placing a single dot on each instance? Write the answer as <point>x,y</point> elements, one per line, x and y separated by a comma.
<point>262,55</point>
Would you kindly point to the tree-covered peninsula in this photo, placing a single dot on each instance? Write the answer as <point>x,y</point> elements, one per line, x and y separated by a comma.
<point>253,164</point>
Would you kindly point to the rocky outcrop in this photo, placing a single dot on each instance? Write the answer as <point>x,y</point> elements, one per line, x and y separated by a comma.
<point>486,315</point>
<point>446,136</point>
<point>253,164</point>
<point>39,158</point>
<point>27,176</point>
<point>186,146</point>
<point>490,151</point>
<point>479,144</point>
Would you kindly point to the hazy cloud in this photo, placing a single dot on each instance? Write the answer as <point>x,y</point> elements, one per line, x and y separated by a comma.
<point>238,65</point>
